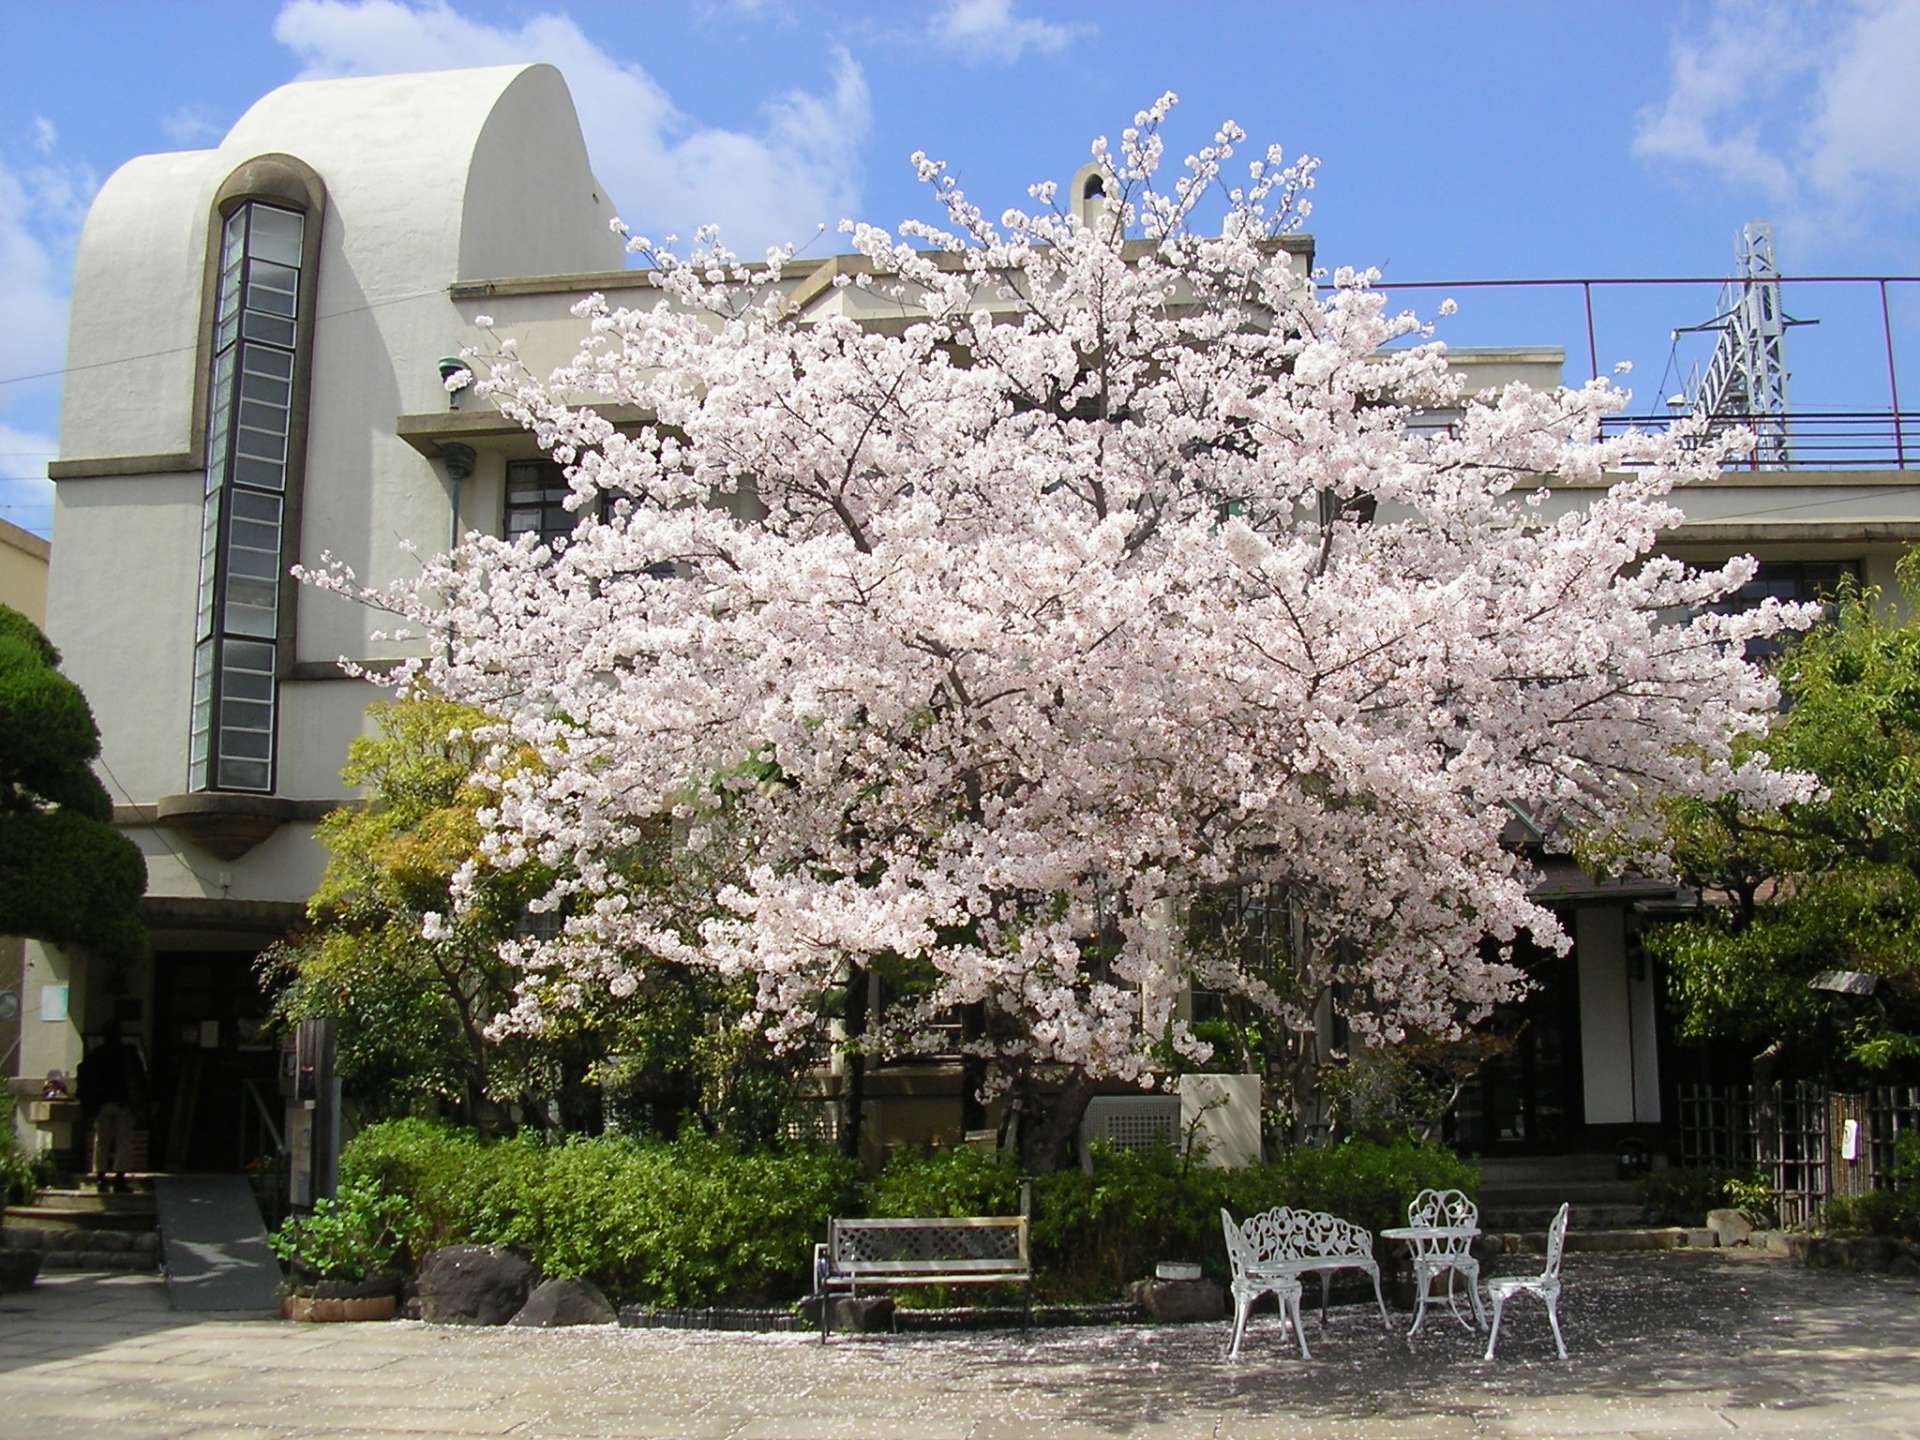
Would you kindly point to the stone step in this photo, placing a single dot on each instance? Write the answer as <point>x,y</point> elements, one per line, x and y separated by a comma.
<point>1583,1217</point>
<point>1502,1170</point>
<point>77,1249</point>
<point>1507,1197</point>
<point>86,1198</point>
<point>84,1212</point>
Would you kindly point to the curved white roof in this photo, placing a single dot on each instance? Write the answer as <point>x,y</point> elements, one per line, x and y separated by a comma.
<point>430,178</point>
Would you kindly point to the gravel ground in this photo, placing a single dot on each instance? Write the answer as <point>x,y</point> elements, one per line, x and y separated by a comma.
<point>1662,1344</point>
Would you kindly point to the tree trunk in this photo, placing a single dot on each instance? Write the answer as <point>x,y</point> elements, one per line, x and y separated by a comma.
<point>1049,1121</point>
<point>853,1083</point>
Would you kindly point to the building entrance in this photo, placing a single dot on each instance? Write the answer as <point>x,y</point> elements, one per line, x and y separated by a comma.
<point>214,1070</point>
<point>1528,1099</point>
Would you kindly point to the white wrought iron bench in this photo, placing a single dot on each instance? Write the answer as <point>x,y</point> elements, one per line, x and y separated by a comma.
<point>1272,1251</point>
<point>977,1250</point>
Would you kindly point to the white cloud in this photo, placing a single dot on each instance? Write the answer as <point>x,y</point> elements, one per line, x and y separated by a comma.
<point>1811,108</point>
<point>190,127</point>
<point>42,204</point>
<point>798,170</point>
<point>990,30</point>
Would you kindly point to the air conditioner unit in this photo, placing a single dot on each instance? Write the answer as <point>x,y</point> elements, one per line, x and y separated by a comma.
<point>1129,1122</point>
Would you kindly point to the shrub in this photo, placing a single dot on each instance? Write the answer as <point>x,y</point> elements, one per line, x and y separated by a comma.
<point>681,1223</point>
<point>434,1167</point>
<point>1682,1196</point>
<point>348,1237</point>
<point>1095,1233</point>
<point>1875,1212</point>
<point>957,1182</point>
<point>1752,1195</point>
<point>697,1220</point>
<point>1370,1185</point>
<point>21,1174</point>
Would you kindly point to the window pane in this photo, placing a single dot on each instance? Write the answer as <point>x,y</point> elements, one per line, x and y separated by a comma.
<point>253,715</point>
<point>265,387</point>
<point>246,685</point>
<point>266,298</point>
<point>259,415</point>
<point>256,536</point>
<point>247,744</point>
<point>254,564</point>
<point>243,774</point>
<point>267,362</point>
<point>246,655</point>
<point>268,327</point>
<point>264,473</point>
<point>250,506</point>
<point>276,235</point>
<point>249,620</point>
<point>260,444</point>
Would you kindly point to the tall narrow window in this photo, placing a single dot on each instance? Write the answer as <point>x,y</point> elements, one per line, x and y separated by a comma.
<point>251,389</point>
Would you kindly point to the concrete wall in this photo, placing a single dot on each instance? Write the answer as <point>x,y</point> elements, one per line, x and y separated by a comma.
<point>23,571</point>
<point>428,179</point>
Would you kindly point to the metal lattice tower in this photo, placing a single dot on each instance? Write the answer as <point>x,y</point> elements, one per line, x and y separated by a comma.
<point>1746,379</point>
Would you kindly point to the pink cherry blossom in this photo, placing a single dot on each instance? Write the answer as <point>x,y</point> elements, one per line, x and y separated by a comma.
<point>1115,566</point>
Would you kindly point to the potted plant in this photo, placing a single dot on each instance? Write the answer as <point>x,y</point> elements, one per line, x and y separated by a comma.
<point>341,1259</point>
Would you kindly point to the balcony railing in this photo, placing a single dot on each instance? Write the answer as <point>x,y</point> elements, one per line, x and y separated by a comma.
<point>1844,339</point>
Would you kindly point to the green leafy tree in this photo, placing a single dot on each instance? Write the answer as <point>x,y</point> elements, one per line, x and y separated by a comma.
<point>412,1011</point>
<point>1832,884</point>
<point>415,1000</point>
<point>66,875</point>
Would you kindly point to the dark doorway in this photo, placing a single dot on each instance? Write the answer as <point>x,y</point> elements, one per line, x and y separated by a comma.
<point>1528,1099</point>
<point>214,1070</point>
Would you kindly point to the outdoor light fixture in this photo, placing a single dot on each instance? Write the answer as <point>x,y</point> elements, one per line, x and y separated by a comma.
<point>450,366</point>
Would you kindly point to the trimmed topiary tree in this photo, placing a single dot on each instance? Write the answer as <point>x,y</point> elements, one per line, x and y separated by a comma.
<point>66,875</point>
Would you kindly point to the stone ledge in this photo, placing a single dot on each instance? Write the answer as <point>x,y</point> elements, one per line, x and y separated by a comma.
<point>223,824</point>
<point>1869,1253</point>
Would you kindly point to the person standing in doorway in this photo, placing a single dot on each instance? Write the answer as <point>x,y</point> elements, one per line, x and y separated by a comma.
<point>111,1082</point>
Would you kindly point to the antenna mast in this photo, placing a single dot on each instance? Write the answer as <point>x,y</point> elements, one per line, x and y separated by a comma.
<point>1745,381</point>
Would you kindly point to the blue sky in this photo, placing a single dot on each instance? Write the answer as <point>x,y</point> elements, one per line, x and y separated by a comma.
<point>1458,141</point>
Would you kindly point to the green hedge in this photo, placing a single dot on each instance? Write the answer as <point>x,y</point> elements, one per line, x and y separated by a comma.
<point>1095,1233</point>
<point>696,1221</point>
<point>681,1223</point>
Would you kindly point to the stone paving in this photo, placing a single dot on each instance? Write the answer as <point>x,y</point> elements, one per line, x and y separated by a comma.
<point>1662,1344</point>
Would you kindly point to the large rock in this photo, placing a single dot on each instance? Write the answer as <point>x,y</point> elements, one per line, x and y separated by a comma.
<point>554,1303</point>
<point>1180,1302</point>
<point>474,1285</point>
<point>1729,1227</point>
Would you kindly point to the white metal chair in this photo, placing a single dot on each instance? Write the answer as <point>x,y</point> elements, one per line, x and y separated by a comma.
<point>1546,1285</point>
<point>1454,1221</point>
<point>1256,1273</point>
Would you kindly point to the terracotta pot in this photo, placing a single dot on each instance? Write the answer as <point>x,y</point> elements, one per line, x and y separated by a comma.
<point>323,1301</point>
<point>322,1309</point>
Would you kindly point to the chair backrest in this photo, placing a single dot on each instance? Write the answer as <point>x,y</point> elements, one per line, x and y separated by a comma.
<point>1239,1252</point>
<point>1442,1207</point>
<point>1282,1234</point>
<point>1448,1208</point>
<point>1556,1243</point>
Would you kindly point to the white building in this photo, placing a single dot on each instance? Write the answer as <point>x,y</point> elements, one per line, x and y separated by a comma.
<point>255,380</point>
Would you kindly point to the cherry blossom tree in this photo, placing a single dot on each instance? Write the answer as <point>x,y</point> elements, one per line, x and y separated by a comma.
<point>1048,578</point>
